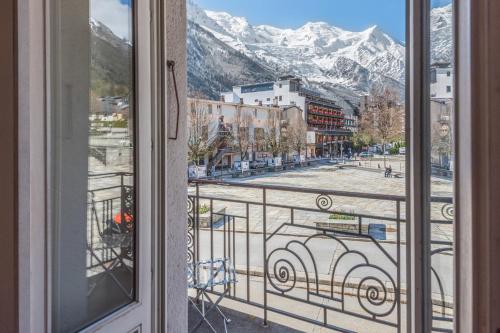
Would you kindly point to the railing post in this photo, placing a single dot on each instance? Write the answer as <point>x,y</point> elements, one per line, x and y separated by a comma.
<point>248,250</point>
<point>122,201</point>
<point>398,260</point>
<point>265,252</point>
<point>196,229</point>
<point>212,233</point>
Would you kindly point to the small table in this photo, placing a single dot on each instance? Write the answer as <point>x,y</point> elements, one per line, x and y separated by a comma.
<point>203,275</point>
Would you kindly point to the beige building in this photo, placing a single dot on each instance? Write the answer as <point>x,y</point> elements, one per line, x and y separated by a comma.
<point>255,123</point>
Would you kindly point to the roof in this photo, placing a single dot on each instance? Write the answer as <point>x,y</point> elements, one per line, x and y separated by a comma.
<point>441,65</point>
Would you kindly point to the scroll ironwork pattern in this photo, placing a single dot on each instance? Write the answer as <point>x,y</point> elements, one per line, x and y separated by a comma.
<point>375,288</point>
<point>324,202</point>
<point>190,230</point>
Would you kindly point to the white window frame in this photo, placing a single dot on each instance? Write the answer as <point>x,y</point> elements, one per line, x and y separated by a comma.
<point>160,282</point>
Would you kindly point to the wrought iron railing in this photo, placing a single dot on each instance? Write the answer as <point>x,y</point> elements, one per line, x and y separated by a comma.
<point>110,199</point>
<point>296,248</point>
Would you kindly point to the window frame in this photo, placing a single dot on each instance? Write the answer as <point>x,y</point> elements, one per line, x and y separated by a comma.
<point>35,283</point>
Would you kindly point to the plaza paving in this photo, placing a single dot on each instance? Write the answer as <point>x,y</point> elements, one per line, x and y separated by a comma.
<point>325,177</point>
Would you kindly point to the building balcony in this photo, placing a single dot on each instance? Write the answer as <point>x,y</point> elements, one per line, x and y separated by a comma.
<point>331,114</point>
<point>325,122</point>
<point>312,260</point>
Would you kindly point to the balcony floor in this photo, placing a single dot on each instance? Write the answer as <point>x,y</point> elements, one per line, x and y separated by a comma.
<point>240,323</point>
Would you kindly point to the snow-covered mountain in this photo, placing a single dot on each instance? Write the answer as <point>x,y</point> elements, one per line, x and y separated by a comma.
<point>224,50</point>
<point>441,32</point>
<point>339,63</point>
<point>213,66</point>
<point>111,59</point>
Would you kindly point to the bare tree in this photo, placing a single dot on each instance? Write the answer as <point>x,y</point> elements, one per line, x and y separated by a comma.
<point>441,135</point>
<point>273,135</point>
<point>198,122</point>
<point>241,132</point>
<point>297,133</point>
<point>383,120</point>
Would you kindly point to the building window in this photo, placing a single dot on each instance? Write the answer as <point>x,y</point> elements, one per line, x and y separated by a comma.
<point>268,99</point>
<point>448,73</point>
<point>433,75</point>
<point>209,108</point>
<point>280,98</point>
<point>448,89</point>
<point>280,85</point>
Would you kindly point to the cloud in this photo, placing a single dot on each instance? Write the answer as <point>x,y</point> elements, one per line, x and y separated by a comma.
<point>115,14</point>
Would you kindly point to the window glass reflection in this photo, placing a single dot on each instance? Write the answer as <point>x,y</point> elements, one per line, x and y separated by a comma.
<point>442,164</point>
<point>92,161</point>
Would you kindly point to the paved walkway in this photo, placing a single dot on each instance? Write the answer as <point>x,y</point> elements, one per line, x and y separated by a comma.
<point>241,322</point>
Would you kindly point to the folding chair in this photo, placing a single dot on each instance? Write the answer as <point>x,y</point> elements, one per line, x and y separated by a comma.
<point>207,274</point>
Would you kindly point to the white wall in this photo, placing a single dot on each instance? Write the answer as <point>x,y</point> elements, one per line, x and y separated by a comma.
<point>253,98</point>
<point>268,97</point>
<point>444,81</point>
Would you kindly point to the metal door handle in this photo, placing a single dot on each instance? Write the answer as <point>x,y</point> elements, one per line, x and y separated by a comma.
<point>171,69</point>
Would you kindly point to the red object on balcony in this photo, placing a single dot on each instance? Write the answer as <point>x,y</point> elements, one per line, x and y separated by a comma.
<point>118,218</point>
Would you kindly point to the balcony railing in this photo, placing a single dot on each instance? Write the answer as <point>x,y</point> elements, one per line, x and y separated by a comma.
<point>323,257</point>
<point>110,230</point>
<point>300,253</point>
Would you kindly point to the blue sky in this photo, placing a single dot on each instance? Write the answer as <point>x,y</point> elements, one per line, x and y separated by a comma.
<point>355,15</point>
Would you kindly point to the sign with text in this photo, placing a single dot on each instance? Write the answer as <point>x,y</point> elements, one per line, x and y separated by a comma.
<point>311,137</point>
<point>245,166</point>
<point>197,171</point>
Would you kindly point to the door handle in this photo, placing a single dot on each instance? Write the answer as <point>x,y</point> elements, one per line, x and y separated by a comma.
<point>171,69</point>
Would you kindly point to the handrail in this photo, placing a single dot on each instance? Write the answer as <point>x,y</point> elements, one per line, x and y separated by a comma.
<point>118,173</point>
<point>362,195</point>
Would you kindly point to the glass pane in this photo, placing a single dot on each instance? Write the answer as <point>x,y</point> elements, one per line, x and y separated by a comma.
<point>441,159</point>
<point>92,161</point>
<point>298,108</point>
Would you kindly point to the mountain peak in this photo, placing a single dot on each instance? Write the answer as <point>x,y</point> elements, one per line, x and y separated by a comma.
<point>318,24</point>
<point>347,62</point>
<point>374,30</point>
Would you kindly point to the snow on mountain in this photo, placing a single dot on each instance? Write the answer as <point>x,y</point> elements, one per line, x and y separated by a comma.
<point>441,32</point>
<point>339,63</point>
<point>224,50</point>
<point>324,54</point>
<point>214,67</point>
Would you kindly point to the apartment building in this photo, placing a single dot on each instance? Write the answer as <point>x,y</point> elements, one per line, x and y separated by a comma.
<point>325,117</point>
<point>441,81</point>
<point>223,118</point>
